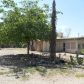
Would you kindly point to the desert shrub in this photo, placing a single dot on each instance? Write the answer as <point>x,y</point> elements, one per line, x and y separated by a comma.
<point>17,69</point>
<point>42,70</point>
<point>79,59</point>
<point>82,51</point>
<point>72,60</point>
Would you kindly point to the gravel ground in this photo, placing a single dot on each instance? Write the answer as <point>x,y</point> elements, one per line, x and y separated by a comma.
<point>36,79</point>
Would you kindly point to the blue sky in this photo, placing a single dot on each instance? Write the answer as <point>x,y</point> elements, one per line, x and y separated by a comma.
<point>73,16</point>
<point>72,19</point>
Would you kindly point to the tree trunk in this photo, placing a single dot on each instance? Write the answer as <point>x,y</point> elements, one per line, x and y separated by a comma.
<point>28,47</point>
<point>32,45</point>
<point>53,34</point>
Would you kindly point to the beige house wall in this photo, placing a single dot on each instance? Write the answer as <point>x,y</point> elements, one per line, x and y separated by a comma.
<point>38,45</point>
<point>59,45</point>
<point>74,43</point>
<point>81,43</point>
<point>71,45</point>
<point>46,46</point>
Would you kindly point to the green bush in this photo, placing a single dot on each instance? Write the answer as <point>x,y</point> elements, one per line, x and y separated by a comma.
<point>80,60</point>
<point>73,61</point>
<point>82,51</point>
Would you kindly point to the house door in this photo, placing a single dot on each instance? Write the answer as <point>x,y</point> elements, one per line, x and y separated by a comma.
<point>63,47</point>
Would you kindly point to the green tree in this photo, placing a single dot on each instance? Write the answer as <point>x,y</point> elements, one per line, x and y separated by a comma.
<point>25,23</point>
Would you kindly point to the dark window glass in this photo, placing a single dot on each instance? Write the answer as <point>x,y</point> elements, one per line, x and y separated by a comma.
<point>79,46</point>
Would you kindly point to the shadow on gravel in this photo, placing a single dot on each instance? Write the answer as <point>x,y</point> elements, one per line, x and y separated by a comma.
<point>18,63</point>
<point>24,60</point>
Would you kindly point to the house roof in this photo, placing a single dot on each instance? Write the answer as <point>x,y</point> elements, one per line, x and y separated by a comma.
<point>72,38</point>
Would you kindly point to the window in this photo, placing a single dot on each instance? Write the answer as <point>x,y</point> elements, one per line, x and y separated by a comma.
<point>79,46</point>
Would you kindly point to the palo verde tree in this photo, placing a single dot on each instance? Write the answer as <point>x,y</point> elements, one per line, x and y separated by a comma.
<point>25,23</point>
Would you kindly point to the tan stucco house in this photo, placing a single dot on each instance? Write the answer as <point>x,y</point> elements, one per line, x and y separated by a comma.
<point>71,45</point>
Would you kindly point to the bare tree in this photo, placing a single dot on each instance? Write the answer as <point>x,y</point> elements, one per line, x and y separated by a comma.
<point>68,32</point>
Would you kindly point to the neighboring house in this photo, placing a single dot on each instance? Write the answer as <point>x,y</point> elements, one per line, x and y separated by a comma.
<point>71,45</point>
